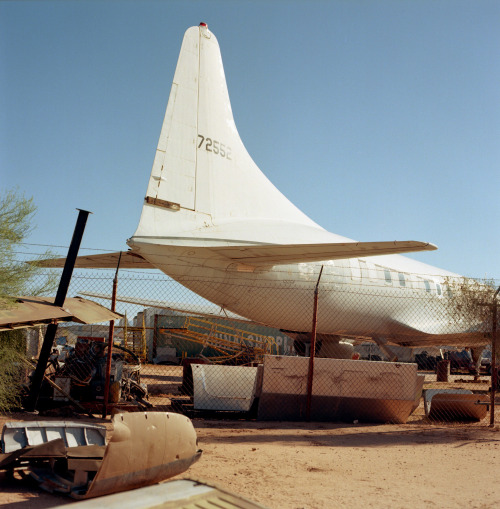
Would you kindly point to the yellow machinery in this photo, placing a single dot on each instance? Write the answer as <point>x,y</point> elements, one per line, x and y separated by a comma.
<point>134,339</point>
<point>228,341</point>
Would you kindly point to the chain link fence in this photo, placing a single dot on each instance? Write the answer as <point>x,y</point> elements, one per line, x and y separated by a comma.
<point>174,350</point>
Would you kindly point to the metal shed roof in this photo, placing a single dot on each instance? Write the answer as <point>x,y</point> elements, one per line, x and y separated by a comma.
<point>31,311</point>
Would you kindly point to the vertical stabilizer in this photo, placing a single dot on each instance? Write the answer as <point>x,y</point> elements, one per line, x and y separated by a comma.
<point>203,178</point>
<point>174,167</point>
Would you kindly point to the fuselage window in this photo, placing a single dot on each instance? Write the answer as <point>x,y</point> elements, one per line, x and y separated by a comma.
<point>355,269</point>
<point>364,269</point>
<point>372,272</point>
<point>337,271</point>
<point>427,286</point>
<point>438,289</point>
<point>388,277</point>
<point>402,280</point>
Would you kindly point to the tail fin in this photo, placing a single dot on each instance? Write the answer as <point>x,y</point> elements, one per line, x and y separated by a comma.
<point>203,181</point>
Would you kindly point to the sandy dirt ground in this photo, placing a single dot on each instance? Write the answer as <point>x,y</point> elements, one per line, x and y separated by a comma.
<point>285,465</point>
<point>313,465</point>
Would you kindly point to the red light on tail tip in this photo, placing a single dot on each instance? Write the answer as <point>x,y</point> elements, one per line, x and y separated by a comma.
<point>203,24</point>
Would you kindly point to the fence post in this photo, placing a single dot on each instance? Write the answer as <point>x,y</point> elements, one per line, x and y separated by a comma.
<point>110,342</point>
<point>155,336</point>
<point>494,372</point>
<point>312,352</point>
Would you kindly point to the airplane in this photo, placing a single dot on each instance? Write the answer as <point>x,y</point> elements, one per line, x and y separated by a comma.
<point>212,221</point>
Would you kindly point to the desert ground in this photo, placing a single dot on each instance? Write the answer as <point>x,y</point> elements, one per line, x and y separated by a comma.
<point>286,465</point>
<point>312,465</point>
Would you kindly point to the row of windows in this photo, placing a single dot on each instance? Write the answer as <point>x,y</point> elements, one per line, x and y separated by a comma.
<point>417,281</point>
<point>361,269</point>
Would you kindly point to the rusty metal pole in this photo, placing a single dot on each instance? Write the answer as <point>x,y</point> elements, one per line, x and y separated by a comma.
<point>312,353</point>
<point>494,372</point>
<point>155,336</point>
<point>50,334</point>
<point>111,333</point>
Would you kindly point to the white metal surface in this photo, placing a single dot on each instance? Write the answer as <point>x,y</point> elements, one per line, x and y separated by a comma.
<point>224,387</point>
<point>341,377</point>
<point>342,390</point>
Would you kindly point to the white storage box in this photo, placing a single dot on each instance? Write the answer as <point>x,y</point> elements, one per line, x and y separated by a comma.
<point>224,387</point>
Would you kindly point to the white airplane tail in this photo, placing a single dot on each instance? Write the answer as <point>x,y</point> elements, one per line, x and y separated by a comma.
<point>203,181</point>
<point>206,190</point>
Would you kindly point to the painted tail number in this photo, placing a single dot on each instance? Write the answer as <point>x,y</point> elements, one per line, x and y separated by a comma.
<point>215,147</point>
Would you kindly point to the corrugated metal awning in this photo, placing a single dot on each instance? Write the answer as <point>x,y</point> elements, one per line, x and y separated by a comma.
<point>31,311</point>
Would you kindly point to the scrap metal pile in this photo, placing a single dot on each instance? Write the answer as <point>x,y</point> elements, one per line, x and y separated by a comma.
<point>73,458</point>
<point>78,374</point>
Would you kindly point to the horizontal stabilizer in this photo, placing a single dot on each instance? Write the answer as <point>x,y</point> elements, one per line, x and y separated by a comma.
<point>259,255</point>
<point>299,253</point>
<point>128,260</point>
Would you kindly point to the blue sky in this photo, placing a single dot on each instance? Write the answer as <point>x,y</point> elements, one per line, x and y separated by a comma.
<point>379,119</point>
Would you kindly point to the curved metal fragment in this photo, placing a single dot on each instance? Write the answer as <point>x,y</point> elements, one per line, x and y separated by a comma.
<point>145,448</point>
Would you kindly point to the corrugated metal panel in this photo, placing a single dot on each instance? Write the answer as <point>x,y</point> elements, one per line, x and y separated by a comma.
<point>16,435</point>
<point>31,311</point>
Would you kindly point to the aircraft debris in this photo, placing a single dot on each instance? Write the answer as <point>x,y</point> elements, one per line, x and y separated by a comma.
<point>64,457</point>
<point>181,494</point>
<point>77,375</point>
<point>455,405</point>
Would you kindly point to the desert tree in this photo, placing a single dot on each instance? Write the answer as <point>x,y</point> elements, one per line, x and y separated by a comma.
<point>16,278</point>
<point>471,304</point>
<point>470,301</point>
